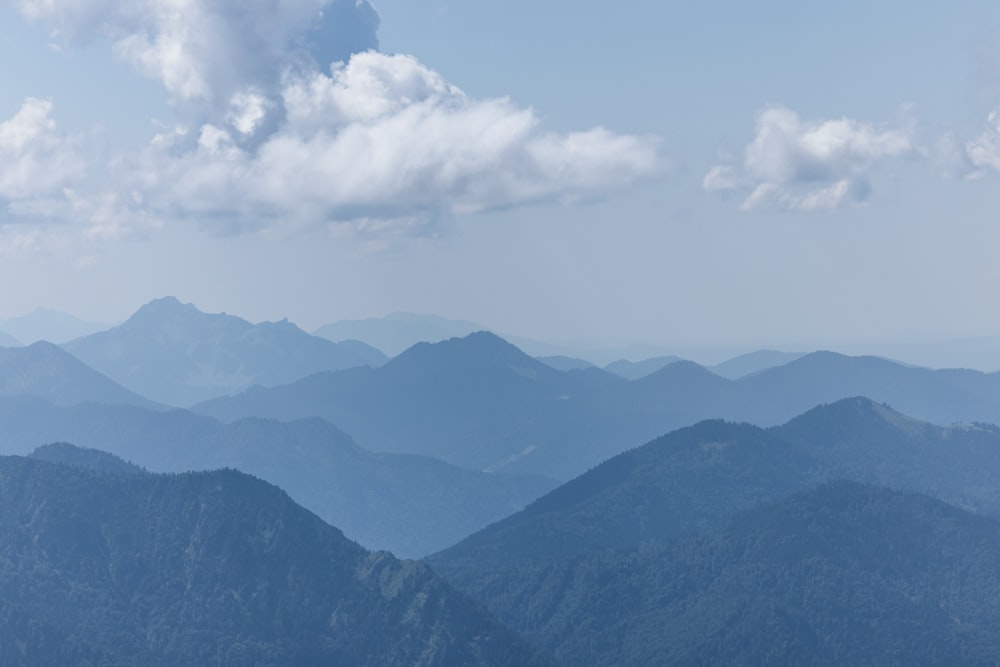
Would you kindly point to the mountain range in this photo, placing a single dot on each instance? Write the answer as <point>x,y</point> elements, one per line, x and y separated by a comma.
<point>641,560</point>
<point>481,403</point>
<point>212,568</point>
<point>411,505</point>
<point>842,574</point>
<point>46,371</point>
<point>175,354</point>
<point>47,325</point>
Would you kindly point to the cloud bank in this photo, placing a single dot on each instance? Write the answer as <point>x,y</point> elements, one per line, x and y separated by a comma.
<point>807,166</point>
<point>286,115</point>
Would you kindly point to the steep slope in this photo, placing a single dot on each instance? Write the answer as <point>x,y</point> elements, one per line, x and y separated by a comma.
<point>843,574</point>
<point>411,505</point>
<point>48,372</point>
<point>179,355</point>
<point>212,568</point>
<point>564,363</point>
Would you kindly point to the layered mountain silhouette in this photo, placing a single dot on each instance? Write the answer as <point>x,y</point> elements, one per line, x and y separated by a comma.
<point>6,340</point>
<point>478,402</point>
<point>564,363</point>
<point>640,561</point>
<point>46,371</point>
<point>694,478</point>
<point>83,457</point>
<point>396,332</point>
<point>212,568</point>
<point>842,574</point>
<point>47,325</point>
<point>633,370</point>
<point>481,403</point>
<point>411,505</point>
<point>178,355</point>
<point>753,362</point>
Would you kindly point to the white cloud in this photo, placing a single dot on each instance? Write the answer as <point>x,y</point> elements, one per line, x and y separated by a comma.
<point>794,164</point>
<point>384,137</point>
<point>270,133</point>
<point>36,161</point>
<point>984,151</point>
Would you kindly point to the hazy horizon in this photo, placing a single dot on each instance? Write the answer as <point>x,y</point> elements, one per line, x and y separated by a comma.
<point>708,176</point>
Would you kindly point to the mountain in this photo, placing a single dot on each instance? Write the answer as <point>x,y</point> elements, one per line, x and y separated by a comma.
<point>841,574</point>
<point>49,325</point>
<point>6,340</point>
<point>81,457</point>
<point>48,372</point>
<point>411,505</point>
<point>753,362</point>
<point>477,402</point>
<point>397,332</point>
<point>694,478</point>
<point>178,355</point>
<point>481,403</point>
<point>564,363</point>
<point>633,370</point>
<point>212,568</point>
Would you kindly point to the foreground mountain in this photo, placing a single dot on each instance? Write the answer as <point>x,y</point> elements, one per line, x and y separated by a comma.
<point>178,355</point>
<point>481,403</point>
<point>212,568</point>
<point>82,457</point>
<point>843,574</point>
<point>411,505</point>
<point>46,371</point>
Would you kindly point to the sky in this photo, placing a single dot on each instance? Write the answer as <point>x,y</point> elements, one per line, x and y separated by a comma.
<point>698,174</point>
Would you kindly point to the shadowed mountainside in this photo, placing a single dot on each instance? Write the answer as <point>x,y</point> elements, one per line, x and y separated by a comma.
<point>212,568</point>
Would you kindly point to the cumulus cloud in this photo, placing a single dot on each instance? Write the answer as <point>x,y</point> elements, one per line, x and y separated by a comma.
<point>384,137</point>
<point>800,165</point>
<point>984,151</point>
<point>37,162</point>
<point>287,115</point>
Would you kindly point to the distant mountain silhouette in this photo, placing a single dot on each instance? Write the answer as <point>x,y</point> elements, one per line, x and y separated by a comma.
<point>842,574</point>
<point>480,403</point>
<point>49,372</point>
<point>411,505</point>
<point>49,325</point>
<point>178,355</point>
<point>563,363</point>
<point>212,568</point>
<point>753,362</point>
<point>6,340</point>
<point>397,332</point>
<point>633,370</point>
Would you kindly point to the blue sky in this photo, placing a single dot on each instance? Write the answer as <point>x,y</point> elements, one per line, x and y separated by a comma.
<point>698,174</point>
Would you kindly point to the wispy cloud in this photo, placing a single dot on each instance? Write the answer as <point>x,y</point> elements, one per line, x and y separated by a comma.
<point>286,115</point>
<point>808,165</point>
